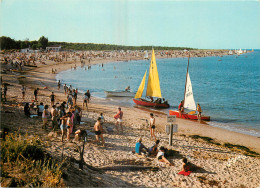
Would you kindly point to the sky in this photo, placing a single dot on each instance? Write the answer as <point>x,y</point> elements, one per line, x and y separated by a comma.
<point>204,24</point>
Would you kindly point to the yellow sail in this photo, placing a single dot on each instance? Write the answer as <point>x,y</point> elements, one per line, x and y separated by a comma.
<point>141,88</point>
<point>153,85</point>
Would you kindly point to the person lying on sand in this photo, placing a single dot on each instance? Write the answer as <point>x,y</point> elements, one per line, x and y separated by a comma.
<point>161,158</point>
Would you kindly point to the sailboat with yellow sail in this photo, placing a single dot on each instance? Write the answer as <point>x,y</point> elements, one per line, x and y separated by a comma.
<point>153,89</point>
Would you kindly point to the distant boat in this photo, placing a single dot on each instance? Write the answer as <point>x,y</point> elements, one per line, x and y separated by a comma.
<point>146,55</point>
<point>239,52</point>
<point>153,88</point>
<point>119,94</point>
<point>230,52</point>
<point>189,102</point>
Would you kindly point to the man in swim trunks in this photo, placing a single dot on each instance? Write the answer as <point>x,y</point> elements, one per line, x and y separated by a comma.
<point>52,96</point>
<point>99,131</point>
<point>119,119</point>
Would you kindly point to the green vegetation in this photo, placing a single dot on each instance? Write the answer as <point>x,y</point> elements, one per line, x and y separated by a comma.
<point>246,150</point>
<point>243,149</point>
<point>24,163</point>
<point>207,139</point>
<point>6,43</point>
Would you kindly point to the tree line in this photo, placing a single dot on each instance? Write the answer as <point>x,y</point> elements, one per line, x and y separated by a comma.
<point>7,43</point>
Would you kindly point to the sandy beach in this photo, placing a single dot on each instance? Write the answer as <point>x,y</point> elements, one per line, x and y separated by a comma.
<point>220,166</point>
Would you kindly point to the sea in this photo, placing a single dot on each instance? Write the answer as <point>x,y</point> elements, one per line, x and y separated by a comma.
<point>227,88</point>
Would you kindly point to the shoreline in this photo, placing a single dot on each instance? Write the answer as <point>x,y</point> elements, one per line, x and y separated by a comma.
<point>220,154</point>
<point>185,126</point>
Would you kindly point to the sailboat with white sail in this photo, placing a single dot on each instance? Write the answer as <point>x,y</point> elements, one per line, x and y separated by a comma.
<point>189,102</point>
<point>153,89</point>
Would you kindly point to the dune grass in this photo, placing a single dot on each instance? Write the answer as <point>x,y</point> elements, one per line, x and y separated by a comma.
<point>24,163</point>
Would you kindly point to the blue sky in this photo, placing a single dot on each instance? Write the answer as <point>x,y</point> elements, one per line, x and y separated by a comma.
<point>198,24</point>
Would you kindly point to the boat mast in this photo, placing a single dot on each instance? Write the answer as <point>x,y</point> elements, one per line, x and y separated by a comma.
<point>186,78</point>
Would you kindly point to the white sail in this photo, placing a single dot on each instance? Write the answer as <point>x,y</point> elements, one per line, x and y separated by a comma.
<point>189,102</point>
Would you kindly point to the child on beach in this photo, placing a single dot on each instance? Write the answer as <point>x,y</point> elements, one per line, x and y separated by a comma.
<point>119,119</point>
<point>99,131</point>
<point>199,111</point>
<point>152,126</point>
<point>40,109</point>
<point>161,158</point>
<point>69,125</point>
<point>187,167</point>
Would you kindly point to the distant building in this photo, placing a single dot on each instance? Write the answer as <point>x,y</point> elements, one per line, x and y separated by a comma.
<point>25,50</point>
<point>53,48</point>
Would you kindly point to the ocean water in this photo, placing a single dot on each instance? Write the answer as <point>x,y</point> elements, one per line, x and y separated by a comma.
<point>227,88</point>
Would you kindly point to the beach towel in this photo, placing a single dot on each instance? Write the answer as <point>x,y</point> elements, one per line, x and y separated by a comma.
<point>184,173</point>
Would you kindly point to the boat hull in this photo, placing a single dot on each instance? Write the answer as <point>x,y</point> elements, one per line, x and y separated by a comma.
<point>119,94</point>
<point>150,104</point>
<point>188,116</point>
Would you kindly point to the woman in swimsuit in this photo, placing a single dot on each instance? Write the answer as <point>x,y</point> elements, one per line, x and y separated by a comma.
<point>152,126</point>
<point>98,131</point>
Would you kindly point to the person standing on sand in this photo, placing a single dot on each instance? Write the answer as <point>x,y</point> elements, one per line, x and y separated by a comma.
<point>63,125</point>
<point>52,96</point>
<point>88,96</point>
<point>44,116</point>
<point>99,131</point>
<point>27,110</point>
<point>59,85</point>
<point>36,94</point>
<point>181,108</point>
<point>69,125</point>
<point>152,126</point>
<point>119,119</point>
<point>65,89</point>
<point>85,101</point>
<point>23,91</point>
<point>40,109</point>
<point>54,115</point>
<point>199,111</point>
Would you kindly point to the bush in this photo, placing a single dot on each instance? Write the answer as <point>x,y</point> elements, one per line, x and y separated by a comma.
<point>25,163</point>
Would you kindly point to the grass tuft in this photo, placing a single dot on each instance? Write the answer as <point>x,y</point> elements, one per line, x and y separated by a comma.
<point>25,163</point>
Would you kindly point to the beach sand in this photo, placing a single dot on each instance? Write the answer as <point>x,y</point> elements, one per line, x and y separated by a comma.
<point>220,166</point>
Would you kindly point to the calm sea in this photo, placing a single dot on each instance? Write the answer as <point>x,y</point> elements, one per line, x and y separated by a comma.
<point>227,88</point>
